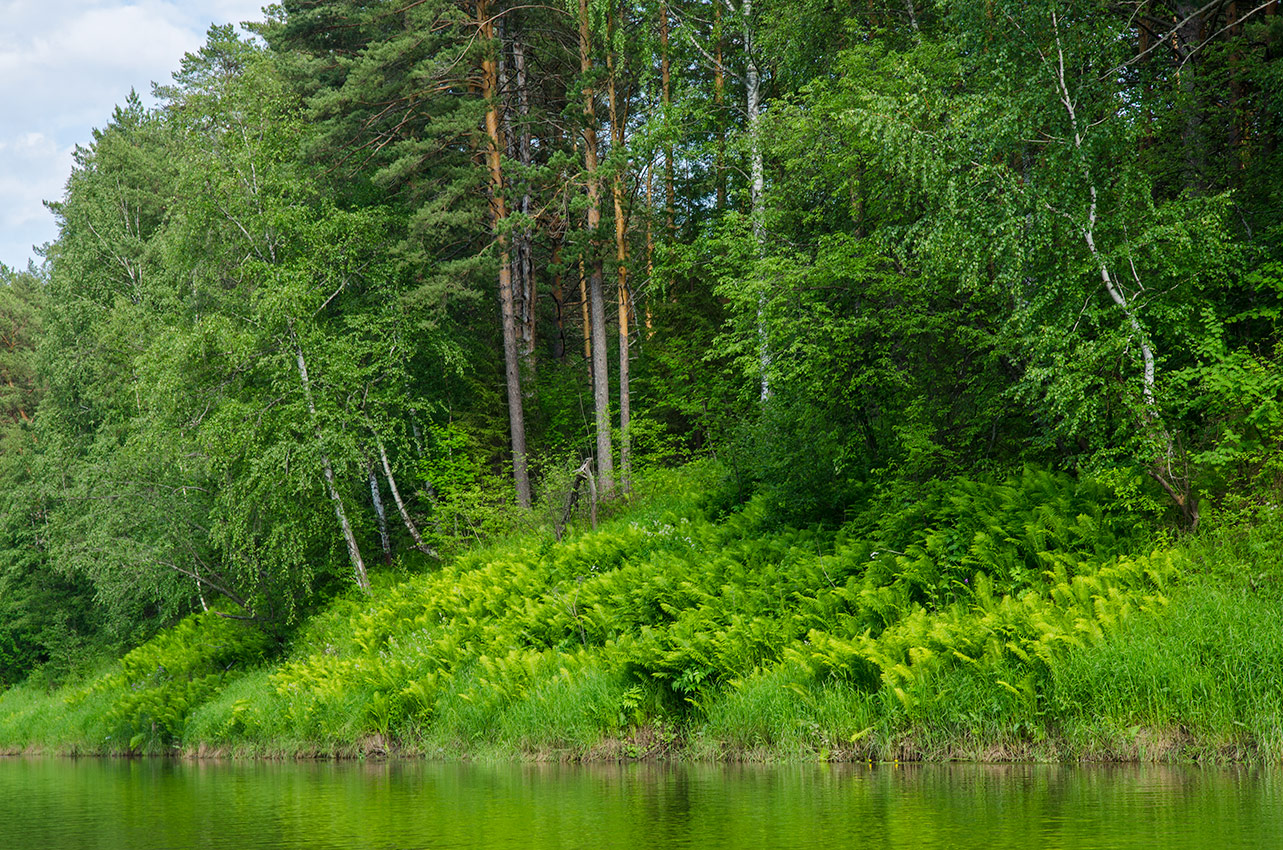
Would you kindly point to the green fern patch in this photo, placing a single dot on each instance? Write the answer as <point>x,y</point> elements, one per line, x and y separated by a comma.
<point>1023,615</point>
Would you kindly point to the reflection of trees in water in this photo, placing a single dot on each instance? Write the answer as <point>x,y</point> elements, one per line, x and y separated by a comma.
<point>146,804</point>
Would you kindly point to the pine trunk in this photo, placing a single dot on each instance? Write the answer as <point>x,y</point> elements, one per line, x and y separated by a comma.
<point>498,212</point>
<point>524,259</point>
<point>666,98</point>
<point>618,120</point>
<point>650,248</point>
<point>585,322</point>
<point>596,296</point>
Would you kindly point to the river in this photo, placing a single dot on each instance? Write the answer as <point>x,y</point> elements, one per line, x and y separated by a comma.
<point>105,804</point>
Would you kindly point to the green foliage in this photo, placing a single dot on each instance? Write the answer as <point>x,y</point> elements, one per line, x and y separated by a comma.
<point>668,617</point>
<point>1013,530</point>
<point>1205,663</point>
<point>242,359</point>
<point>159,683</point>
<point>994,239</point>
<point>468,503</point>
<point>973,258</point>
<point>1020,616</point>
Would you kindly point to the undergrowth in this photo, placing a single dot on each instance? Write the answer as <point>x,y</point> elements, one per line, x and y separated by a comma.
<point>1021,618</point>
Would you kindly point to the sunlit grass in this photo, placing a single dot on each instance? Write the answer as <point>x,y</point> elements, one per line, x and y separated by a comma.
<point>70,719</point>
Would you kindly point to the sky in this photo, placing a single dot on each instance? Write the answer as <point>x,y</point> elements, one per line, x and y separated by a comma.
<point>64,66</point>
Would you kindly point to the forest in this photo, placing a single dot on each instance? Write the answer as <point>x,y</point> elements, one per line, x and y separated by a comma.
<point>445,360</point>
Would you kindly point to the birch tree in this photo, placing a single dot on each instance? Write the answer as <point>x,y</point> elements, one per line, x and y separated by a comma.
<point>1033,184</point>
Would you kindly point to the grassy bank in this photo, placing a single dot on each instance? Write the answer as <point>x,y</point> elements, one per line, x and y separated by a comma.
<point>1031,618</point>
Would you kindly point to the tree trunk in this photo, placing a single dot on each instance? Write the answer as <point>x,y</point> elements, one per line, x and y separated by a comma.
<point>524,258</point>
<point>498,212</point>
<point>327,468</point>
<point>719,108</point>
<point>618,120</point>
<point>400,506</point>
<point>1088,226</point>
<point>601,383</point>
<point>585,320</point>
<point>583,475</point>
<point>650,247</point>
<point>666,98</point>
<point>380,516</point>
<point>596,297</point>
<point>1163,465</point>
<point>753,98</point>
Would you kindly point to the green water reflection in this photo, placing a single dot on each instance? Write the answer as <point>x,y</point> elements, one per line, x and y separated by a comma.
<point>146,805</point>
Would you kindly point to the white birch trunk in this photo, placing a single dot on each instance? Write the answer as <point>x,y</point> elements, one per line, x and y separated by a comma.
<point>1163,467</point>
<point>353,550</point>
<point>380,515</point>
<point>400,506</point>
<point>753,104</point>
<point>524,252</point>
<point>1112,285</point>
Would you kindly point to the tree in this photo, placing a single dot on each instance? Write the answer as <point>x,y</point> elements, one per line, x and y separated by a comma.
<point>596,298</point>
<point>620,174</point>
<point>243,356</point>
<point>409,103</point>
<point>499,213</point>
<point>20,302</point>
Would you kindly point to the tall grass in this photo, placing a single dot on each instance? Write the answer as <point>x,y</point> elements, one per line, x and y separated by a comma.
<point>34,719</point>
<point>1205,676</point>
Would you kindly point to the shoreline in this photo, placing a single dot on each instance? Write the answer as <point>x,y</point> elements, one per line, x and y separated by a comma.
<point>1147,746</point>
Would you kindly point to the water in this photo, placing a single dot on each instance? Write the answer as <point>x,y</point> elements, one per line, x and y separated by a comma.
<point>92,804</point>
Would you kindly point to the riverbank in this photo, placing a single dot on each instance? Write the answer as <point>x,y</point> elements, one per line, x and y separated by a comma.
<point>1033,618</point>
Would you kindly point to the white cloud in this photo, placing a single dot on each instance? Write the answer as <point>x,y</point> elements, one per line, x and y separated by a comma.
<point>39,162</point>
<point>33,168</point>
<point>64,65</point>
